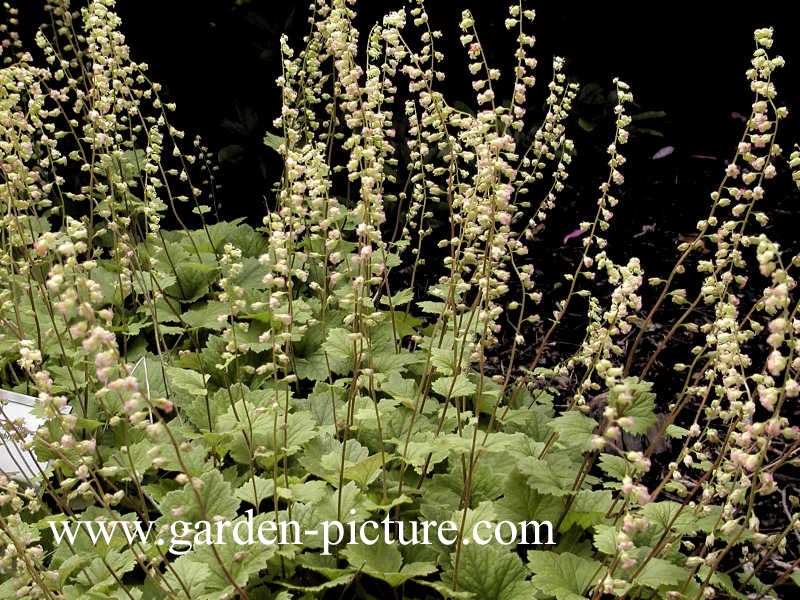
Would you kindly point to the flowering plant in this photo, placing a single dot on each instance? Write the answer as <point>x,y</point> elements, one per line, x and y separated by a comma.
<point>363,356</point>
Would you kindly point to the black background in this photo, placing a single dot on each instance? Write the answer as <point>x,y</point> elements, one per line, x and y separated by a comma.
<point>219,62</point>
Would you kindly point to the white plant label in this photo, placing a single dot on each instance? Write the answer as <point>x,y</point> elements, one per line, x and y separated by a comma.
<point>15,460</point>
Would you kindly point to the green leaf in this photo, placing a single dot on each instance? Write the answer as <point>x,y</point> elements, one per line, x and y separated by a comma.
<point>245,238</point>
<point>747,579</point>
<point>256,489</point>
<point>83,545</point>
<point>108,281</point>
<point>68,567</point>
<point>574,429</point>
<point>378,558</point>
<point>134,460</point>
<point>402,390</point>
<point>724,581</point>
<point>491,573</point>
<point>127,164</point>
<point>450,387</point>
<point>157,490</point>
<point>384,561</point>
<point>251,277</point>
<point>658,572</point>
<point>150,375</point>
<point>642,406</point>
<point>402,297</point>
<point>676,432</point>
<point>521,502</point>
<point>323,403</point>
<point>310,492</point>
<point>588,508</point>
<point>314,367</point>
<point>437,502</point>
<point>430,307</point>
<point>442,359</point>
<point>446,592</point>
<point>355,505</point>
<point>392,260</point>
<point>189,391</point>
<point>273,141</point>
<point>390,362</point>
<point>193,280</point>
<point>167,311</point>
<point>216,498</point>
<point>338,344</point>
<point>487,477</point>
<point>565,576</point>
<point>299,428</point>
<point>366,471</point>
<point>485,511</point>
<point>673,515</point>
<point>188,381</point>
<point>403,324</point>
<point>337,578</point>
<point>605,539</point>
<point>204,413</point>
<point>189,457</point>
<point>240,562</point>
<point>323,457</point>
<point>614,466</point>
<point>207,315</point>
<point>555,474</point>
<point>795,577</point>
<point>187,577</point>
<point>532,422</point>
<point>102,574</point>
<point>258,432</point>
<point>439,447</point>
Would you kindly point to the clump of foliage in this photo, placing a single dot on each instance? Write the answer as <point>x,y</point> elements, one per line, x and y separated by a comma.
<point>301,371</point>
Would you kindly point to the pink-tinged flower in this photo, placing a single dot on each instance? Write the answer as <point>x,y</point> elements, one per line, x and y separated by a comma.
<point>773,427</point>
<point>776,363</point>
<point>767,398</point>
<point>760,141</point>
<point>165,405</point>
<point>130,406</point>
<point>752,462</point>
<point>642,494</point>
<point>97,337</point>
